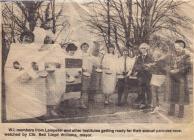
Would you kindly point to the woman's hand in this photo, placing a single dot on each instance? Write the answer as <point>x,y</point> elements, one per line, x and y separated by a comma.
<point>149,65</point>
<point>174,71</point>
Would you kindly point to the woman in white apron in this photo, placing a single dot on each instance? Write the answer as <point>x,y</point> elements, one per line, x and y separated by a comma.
<point>109,74</point>
<point>96,74</point>
<point>54,63</point>
<point>73,70</point>
<point>24,87</point>
<point>86,74</point>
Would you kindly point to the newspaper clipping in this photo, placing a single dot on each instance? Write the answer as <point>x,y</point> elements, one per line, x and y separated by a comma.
<point>97,69</point>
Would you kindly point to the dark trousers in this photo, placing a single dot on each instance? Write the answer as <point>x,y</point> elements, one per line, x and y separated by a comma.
<point>145,94</point>
<point>121,89</point>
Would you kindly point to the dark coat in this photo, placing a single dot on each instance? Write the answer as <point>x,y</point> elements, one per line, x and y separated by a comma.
<point>178,82</point>
<point>143,73</point>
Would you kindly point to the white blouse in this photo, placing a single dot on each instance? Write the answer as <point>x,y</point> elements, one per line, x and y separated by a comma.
<point>109,62</point>
<point>121,68</point>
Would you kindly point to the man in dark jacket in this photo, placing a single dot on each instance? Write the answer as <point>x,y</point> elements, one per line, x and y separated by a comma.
<point>141,68</point>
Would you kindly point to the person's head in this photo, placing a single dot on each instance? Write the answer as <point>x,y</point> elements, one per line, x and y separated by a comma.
<point>34,66</point>
<point>39,23</point>
<point>96,44</point>
<point>136,51</point>
<point>71,48</point>
<point>47,26</point>
<point>27,37</point>
<point>143,48</point>
<point>84,47</point>
<point>111,48</point>
<point>179,46</point>
<point>164,48</point>
<point>48,40</point>
<point>124,52</point>
<point>131,53</point>
<point>63,46</point>
<point>96,48</point>
<point>157,53</point>
<point>16,65</point>
<point>102,52</point>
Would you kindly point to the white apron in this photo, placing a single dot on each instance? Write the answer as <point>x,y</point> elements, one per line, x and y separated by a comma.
<point>73,68</point>
<point>24,99</point>
<point>109,74</point>
<point>55,81</point>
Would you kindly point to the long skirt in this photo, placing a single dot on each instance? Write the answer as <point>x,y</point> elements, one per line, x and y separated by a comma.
<point>178,88</point>
<point>85,88</point>
<point>108,83</point>
<point>85,83</point>
<point>55,86</point>
<point>96,82</point>
<point>25,100</point>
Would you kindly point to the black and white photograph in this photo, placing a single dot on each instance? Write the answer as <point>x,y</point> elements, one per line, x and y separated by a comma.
<point>97,61</point>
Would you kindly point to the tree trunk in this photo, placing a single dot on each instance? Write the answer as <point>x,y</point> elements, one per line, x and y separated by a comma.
<point>129,5</point>
<point>147,21</point>
<point>108,20</point>
<point>116,39</point>
<point>53,17</point>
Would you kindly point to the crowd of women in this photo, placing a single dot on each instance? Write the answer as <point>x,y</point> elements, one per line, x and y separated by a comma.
<point>107,71</point>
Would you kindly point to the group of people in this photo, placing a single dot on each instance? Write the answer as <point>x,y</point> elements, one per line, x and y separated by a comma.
<point>150,70</point>
<point>110,72</point>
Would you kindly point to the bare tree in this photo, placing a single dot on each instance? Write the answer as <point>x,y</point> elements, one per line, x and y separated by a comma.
<point>17,14</point>
<point>52,18</point>
<point>138,21</point>
<point>29,10</point>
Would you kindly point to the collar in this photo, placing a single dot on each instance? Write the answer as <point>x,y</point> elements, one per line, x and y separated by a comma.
<point>144,54</point>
